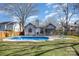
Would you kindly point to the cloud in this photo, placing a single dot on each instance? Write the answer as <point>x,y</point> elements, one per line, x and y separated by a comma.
<point>46,11</point>
<point>49,5</point>
<point>64,5</point>
<point>50,15</point>
<point>2,11</point>
<point>32,17</point>
<point>55,6</point>
<point>74,19</point>
<point>50,18</point>
<point>14,18</point>
<point>69,14</point>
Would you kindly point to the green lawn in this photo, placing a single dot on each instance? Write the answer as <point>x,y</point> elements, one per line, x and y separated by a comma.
<point>48,48</point>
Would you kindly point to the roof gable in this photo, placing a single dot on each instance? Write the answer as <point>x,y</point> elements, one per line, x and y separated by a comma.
<point>30,24</point>
<point>50,26</point>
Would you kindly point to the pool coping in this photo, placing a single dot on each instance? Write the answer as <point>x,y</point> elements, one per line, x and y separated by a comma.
<point>7,39</point>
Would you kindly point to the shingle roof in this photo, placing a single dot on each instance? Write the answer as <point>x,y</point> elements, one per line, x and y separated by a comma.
<point>30,24</point>
<point>8,22</point>
<point>41,26</point>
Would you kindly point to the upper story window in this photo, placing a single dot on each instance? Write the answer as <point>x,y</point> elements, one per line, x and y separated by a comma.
<point>30,30</point>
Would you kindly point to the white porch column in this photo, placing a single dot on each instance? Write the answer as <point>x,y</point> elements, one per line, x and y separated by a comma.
<point>5,27</point>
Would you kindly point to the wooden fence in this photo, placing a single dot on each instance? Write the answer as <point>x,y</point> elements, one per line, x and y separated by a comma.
<point>4,34</point>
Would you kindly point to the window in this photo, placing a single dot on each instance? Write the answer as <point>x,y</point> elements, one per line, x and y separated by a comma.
<point>30,30</point>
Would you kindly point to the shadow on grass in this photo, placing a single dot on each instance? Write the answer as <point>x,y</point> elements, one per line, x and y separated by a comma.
<point>40,52</point>
<point>2,49</point>
<point>77,53</point>
<point>21,50</point>
<point>24,49</point>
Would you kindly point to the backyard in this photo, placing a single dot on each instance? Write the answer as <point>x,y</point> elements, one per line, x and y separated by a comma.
<point>58,47</point>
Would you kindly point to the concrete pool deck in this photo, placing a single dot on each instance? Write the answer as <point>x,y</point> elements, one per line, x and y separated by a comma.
<point>51,38</point>
<point>59,37</point>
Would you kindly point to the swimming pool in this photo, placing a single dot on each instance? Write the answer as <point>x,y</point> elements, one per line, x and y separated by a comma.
<point>26,38</point>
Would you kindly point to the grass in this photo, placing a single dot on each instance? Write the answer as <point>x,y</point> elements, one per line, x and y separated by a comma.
<point>48,48</point>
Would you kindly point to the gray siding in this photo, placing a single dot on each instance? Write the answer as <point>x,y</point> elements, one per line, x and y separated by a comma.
<point>30,33</point>
<point>2,27</point>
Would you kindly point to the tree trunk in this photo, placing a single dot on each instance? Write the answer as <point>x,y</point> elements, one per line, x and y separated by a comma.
<point>66,24</point>
<point>21,29</point>
<point>65,31</point>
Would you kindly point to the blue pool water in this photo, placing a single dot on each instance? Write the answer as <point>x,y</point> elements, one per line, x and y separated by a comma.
<point>27,38</point>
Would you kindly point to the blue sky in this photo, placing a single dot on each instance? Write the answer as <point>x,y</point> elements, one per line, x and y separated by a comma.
<point>41,15</point>
<point>4,17</point>
<point>46,11</point>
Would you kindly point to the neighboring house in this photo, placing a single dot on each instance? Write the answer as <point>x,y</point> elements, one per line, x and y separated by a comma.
<point>77,27</point>
<point>74,28</point>
<point>49,29</point>
<point>6,26</point>
<point>3,26</point>
<point>31,29</point>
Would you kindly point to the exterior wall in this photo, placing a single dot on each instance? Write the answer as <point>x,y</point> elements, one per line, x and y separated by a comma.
<point>77,31</point>
<point>50,30</point>
<point>2,27</point>
<point>16,27</point>
<point>10,27</point>
<point>27,30</point>
<point>13,27</point>
<point>37,30</point>
<point>50,27</point>
<point>9,30</point>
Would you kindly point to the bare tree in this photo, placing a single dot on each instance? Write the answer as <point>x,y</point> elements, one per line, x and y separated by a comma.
<point>77,26</point>
<point>20,10</point>
<point>68,14</point>
<point>77,21</point>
